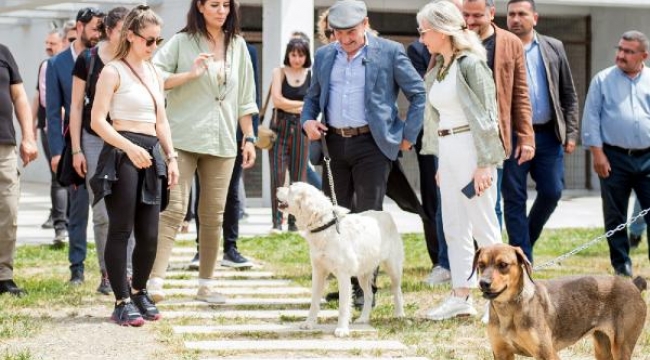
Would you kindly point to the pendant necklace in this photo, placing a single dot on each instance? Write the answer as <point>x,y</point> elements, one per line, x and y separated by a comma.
<point>444,70</point>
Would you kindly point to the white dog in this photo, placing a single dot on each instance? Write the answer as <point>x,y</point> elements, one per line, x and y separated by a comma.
<point>352,246</point>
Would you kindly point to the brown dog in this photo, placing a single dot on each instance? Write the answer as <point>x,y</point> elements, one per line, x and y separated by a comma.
<point>538,319</point>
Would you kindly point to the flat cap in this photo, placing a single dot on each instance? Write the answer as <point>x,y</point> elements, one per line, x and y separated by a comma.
<point>345,14</point>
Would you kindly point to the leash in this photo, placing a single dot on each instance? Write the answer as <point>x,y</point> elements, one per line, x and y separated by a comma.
<point>330,178</point>
<point>593,242</point>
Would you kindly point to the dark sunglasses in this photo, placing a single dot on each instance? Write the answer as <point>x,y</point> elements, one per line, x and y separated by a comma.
<point>328,33</point>
<point>151,41</point>
<point>87,14</point>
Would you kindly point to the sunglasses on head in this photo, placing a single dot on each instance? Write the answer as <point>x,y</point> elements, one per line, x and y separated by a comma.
<point>87,14</point>
<point>150,41</point>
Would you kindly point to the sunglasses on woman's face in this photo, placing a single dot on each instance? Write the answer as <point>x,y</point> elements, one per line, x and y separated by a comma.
<point>150,41</point>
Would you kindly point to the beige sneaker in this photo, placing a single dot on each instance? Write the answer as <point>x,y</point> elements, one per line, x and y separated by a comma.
<point>204,294</point>
<point>155,289</point>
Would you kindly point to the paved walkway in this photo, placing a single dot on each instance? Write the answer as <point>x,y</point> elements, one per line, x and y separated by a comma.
<point>576,209</point>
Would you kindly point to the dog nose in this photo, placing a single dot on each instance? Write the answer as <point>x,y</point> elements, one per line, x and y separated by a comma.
<point>485,284</point>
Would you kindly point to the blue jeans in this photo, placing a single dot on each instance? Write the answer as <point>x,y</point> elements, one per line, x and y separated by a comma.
<point>629,172</point>
<point>547,170</point>
<point>313,177</point>
<point>77,225</point>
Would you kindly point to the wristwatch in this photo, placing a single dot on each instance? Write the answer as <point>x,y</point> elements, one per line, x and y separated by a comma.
<point>251,139</point>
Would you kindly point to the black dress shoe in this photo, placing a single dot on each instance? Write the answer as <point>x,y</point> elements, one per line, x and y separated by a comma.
<point>635,240</point>
<point>76,277</point>
<point>10,287</point>
<point>358,300</point>
<point>625,270</point>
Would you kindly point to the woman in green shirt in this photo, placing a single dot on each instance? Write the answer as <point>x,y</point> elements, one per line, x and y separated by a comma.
<point>209,75</point>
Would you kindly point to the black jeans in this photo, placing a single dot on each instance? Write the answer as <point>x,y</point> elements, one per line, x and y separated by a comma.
<point>127,214</point>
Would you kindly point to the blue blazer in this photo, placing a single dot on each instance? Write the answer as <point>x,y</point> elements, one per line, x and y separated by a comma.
<point>388,70</point>
<point>58,80</point>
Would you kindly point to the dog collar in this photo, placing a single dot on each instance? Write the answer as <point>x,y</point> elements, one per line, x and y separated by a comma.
<point>329,224</point>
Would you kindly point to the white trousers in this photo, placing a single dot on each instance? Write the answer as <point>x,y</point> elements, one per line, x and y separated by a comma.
<point>464,220</point>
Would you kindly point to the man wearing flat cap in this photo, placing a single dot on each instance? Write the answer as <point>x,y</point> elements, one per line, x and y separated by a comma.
<point>355,83</point>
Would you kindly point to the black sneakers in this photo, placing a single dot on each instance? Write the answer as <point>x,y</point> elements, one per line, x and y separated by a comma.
<point>10,287</point>
<point>127,314</point>
<point>146,306</point>
<point>104,285</point>
<point>76,278</point>
<point>232,258</point>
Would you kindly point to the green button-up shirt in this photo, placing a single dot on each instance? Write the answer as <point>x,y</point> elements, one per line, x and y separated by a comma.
<point>203,113</point>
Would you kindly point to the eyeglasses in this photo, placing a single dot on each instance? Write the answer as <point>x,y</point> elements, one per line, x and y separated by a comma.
<point>626,51</point>
<point>71,39</point>
<point>329,33</point>
<point>151,41</point>
<point>87,14</point>
<point>422,31</point>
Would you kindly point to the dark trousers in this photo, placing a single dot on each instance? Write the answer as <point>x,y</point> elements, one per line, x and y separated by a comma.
<point>547,170</point>
<point>232,210</point>
<point>629,172</point>
<point>429,193</point>
<point>128,214</point>
<point>58,193</point>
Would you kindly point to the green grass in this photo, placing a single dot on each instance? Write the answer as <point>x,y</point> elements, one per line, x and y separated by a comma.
<point>43,272</point>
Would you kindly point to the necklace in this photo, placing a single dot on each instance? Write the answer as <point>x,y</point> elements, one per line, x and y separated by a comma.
<point>222,79</point>
<point>444,69</point>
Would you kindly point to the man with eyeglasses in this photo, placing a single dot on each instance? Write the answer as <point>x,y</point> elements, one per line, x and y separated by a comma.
<point>58,95</point>
<point>616,128</point>
<point>555,124</point>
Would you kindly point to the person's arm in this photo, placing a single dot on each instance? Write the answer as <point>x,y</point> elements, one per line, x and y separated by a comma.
<point>164,134</point>
<point>54,114</point>
<point>279,101</point>
<point>28,149</point>
<point>76,111</point>
<point>568,101</point>
<point>247,105</point>
<point>411,84</point>
<point>522,114</point>
<point>591,135</point>
<point>167,61</point>
<point>106,85</point>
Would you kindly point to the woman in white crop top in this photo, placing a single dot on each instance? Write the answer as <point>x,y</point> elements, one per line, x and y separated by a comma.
<point>134,186</point>
<point>461,110</point>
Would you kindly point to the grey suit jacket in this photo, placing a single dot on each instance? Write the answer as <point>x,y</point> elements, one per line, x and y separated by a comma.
<point>564,99</point>
<point>388,70</point>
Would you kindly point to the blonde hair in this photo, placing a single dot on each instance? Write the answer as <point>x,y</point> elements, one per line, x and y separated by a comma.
<point>444,17</point>
<point>136,20</point>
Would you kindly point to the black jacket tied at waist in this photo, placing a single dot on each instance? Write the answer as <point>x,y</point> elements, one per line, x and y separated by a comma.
<point>153,190</point>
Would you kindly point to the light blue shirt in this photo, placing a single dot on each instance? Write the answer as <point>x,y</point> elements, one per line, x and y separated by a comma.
<point>537,83</point>
<point>617,110</point>
<point>347,106</point>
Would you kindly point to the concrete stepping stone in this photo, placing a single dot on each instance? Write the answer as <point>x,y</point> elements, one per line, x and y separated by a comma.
<point>184,251</point>
<point>223,273</point>
<point>266,357</point>
<point>295,345</point>
<point>238,301</point>
<point>251,314</point>
<point>283,291</point>
<point>228,283</point>
<point>268,328</point>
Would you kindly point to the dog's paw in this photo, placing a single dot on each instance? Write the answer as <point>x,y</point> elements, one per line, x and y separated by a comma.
<point>342,332</point>
<point>307,325</point>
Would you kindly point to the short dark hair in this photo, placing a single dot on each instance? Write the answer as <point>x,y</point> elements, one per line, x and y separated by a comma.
<point>301,47</point>
<point>531,2</point>
<point>85,15</point>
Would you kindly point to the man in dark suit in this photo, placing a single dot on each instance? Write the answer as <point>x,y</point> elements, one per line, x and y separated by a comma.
<point>58,95</point>
<point>555,123</point>
<point>355,84</point>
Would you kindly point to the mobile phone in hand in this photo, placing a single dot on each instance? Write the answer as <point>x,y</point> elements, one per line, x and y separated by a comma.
<point>469,190</point>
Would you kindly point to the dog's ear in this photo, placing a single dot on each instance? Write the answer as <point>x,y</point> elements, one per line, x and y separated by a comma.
<point>477,254</point>
<point>523,261</point>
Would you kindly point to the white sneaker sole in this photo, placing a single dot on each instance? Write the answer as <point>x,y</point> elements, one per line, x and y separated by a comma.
<point>232,264</point>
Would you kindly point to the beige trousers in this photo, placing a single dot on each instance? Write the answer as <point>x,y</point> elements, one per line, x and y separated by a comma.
<point>9,195</point>
<point>214,176</point>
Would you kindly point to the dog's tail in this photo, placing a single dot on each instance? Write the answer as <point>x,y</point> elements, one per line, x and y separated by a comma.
<point>640,283</point>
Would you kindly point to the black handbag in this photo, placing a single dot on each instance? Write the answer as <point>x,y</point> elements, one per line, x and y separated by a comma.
<point>65,172</point>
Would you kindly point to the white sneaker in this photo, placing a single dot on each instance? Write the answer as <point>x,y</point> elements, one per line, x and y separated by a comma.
<point>204,294</point>
<point>486,315</point>
<point>155,289</point>
<point>438,275</point>
<point>453,307</point>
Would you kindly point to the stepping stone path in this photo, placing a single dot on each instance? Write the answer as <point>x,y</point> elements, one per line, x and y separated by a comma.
<point>261,319</point>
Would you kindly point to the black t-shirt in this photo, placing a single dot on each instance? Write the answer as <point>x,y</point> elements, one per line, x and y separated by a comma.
<point>488,43</point>
<point>81,69</point>
<point>9,75</point>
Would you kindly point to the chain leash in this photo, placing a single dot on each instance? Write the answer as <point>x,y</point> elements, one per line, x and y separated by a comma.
<point>330,178</point>
<point>591,243</point>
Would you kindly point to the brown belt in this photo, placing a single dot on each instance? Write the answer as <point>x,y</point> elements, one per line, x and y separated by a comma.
<point>452,131</point>
<point>350,131</point>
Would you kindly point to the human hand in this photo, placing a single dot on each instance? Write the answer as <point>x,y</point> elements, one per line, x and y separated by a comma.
<point>248,155</point>
<point>405,145</point>
<point>524,153</point>
<point>482,179</point>
<point>200,64</point>
<point>601,163</point>
<point>140,157</point>
<point>79,164</point>
<point>570,146</point>
<point>28,151</point>
<point>172,173</point>
<point>314,129</point>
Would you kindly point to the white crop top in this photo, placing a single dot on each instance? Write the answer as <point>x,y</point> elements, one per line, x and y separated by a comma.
<point>131,101</point>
